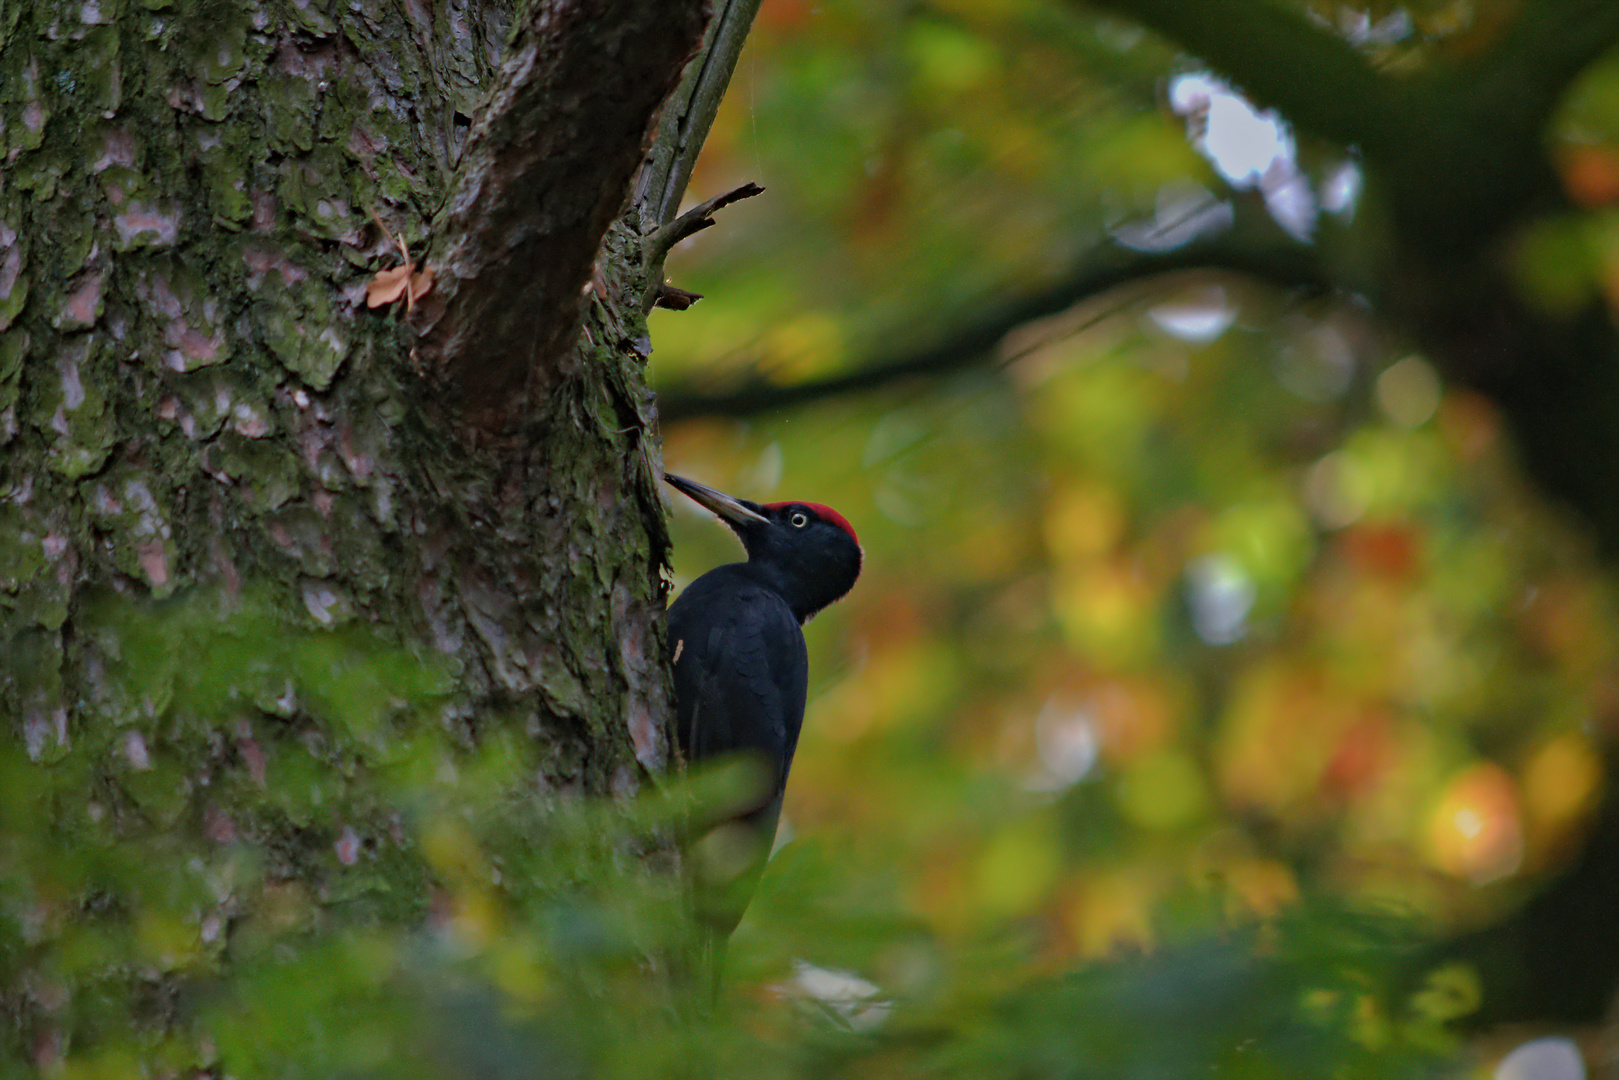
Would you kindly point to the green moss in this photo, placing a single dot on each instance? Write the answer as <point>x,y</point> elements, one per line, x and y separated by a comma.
<point>300,534</point>
<point>38,173</point>
<point>225,55</point>
<point>9,15</point>
<point>312,17</point>
<point>25,136</point>
<point>210,39</point>
<point>300,786</point>
<point>398,185</point>
<point>72,235</point>
<point>214,101</point>
<point>224,172</point>
<point>365,563</point>
<point>188,321</point>
<point>70,409</point>
<point>291,103</point>
<point>34,687</point>
<point>390,133</point>
<point>340,104</point>
<point>163,795</point>
<point>328,603</point>
<point>328,470</point>
<point>46,601</point>
<point>137,523</point>
<point>101,82</point>
<point>21,554</point>
<point>267,474</point>
<point>300,330</point>
<point>310,188</point>
<point>13,350</point>
<point>121,695</point>
<point>31,585</point>
<point>121,184</point>
<point>11,305</point>
<point>207,399</point>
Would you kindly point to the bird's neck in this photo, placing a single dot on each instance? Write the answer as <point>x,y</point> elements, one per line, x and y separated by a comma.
<point>801,599</point>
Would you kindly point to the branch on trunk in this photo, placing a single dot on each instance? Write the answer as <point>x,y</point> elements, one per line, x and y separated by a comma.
<point>695,220</point>
<point>1258,249</point>
<point>675,299</point>
<point>681,134</point>
<point>546,168</point>
<point>690,113</point>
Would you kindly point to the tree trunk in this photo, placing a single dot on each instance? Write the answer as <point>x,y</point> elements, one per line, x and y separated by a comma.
<point>260,544</point>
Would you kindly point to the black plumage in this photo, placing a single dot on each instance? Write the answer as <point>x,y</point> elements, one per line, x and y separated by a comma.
<point>741,671</point>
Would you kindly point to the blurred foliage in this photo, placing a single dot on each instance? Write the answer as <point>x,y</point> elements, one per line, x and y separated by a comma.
<point>337,883</point>
<point>286,859</point>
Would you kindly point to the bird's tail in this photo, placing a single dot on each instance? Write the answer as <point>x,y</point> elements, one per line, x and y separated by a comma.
<point>724,868</point>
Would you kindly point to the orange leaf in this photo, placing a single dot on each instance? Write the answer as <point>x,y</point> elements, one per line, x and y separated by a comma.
<point>388,286</point>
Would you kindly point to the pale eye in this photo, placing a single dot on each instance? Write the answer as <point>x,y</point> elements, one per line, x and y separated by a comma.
<point>799,519</point>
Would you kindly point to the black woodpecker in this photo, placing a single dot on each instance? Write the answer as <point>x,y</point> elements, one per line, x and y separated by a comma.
<point>741,672</point>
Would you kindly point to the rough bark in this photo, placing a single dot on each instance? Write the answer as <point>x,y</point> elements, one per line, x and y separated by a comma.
<point>255,546</point>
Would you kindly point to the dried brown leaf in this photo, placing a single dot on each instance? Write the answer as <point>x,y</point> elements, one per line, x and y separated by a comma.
<point>388,286</point>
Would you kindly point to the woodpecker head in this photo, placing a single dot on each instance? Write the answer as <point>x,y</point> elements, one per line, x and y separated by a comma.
<point>805,551</point>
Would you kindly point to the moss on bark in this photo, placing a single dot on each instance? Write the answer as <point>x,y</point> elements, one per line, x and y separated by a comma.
<point>256,590</point>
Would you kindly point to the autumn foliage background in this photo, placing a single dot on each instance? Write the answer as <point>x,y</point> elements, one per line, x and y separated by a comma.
<point>1197,603</point>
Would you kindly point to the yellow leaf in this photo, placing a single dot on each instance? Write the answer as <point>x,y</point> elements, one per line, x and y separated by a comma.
<point>1163,790</point>
<point>1562,782</point>
<point>1449,992</point>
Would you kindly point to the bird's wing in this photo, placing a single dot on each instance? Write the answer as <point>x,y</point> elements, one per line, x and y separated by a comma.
<point>741,674</point>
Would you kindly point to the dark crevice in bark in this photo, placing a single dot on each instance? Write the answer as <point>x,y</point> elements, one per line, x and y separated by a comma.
<point>546,168</point>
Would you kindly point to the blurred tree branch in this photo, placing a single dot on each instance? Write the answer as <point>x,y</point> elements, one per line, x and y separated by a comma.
<point>1548,46</point>
<point>1256,247</point>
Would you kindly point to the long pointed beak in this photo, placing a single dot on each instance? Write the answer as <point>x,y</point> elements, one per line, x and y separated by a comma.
<point>733,511</point>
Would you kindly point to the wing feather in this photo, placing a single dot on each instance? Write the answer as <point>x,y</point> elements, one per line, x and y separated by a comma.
<point>740,675</point>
